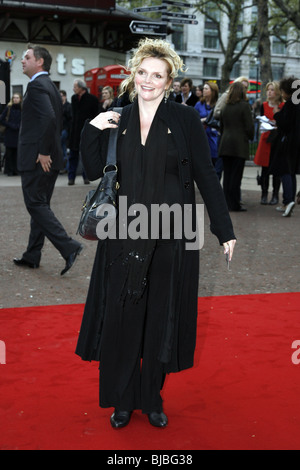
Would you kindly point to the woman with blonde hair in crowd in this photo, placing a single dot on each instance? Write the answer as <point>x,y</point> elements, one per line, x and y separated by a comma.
<point>262,155</point>
<point>107,97</point>
<point>223,98</point>
<point>140,317</point>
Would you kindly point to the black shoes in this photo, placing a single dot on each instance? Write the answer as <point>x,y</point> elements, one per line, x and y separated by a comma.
<point>264,200</point>
<point>158,420</point>
<point>24,262</point>
<point>71,260</point>
<point>120,419</point>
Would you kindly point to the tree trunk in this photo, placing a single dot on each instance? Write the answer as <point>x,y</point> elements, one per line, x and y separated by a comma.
<point>264,46</point>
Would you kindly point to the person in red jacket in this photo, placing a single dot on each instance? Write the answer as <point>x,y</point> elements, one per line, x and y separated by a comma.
<point>262,156</point>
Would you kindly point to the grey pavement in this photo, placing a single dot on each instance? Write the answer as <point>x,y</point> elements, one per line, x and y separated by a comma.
<point>266,258</point>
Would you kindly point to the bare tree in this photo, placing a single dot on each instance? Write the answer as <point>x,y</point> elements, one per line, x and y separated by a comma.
<point>291,9</point>
<point>236,44</point>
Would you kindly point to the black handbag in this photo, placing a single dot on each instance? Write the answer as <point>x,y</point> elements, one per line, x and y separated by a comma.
<point>105,194</point>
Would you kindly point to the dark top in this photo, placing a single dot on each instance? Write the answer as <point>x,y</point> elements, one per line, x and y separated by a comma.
<point>191,101</point>
<point>190,148</point>
<point>11,119</point>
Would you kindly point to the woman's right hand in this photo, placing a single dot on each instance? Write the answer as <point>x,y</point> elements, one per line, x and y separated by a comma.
<point>107,120</point>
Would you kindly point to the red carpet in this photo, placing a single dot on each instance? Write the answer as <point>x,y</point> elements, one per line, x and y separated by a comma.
<point>243,392</point>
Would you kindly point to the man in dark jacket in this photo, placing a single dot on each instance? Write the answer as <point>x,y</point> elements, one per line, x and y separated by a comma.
<point>84,106</point>
<point>40,159</point>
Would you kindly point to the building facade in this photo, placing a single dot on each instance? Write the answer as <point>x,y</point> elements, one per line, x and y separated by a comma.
<point>78,38</point>
<point>98,34</point>
<point>199,46</point>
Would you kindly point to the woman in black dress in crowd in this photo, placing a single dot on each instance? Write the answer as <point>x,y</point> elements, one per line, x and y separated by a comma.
<point>141,310</point>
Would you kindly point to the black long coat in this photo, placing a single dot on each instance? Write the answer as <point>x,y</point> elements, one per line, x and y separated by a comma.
<point>12,125</point>
<point>194,165</point>
<point>83,108</point>
<point>285,150</point>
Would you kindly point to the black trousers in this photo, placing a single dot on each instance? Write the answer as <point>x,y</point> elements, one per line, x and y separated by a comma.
<point>10,167</point>
<point>265,176</point>
<point>233,174</point>
<point>37,189</point>
<point>131,376</point>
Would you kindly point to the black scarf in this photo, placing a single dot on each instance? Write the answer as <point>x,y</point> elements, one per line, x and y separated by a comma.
<point>143,173</point>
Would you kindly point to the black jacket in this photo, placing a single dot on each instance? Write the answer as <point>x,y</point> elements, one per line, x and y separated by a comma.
<point>86,107</point>
<point>194,164</point>
<point>11,119</point>
<point>285,151</point>
<point>41,124</point>
<point>191,101</point>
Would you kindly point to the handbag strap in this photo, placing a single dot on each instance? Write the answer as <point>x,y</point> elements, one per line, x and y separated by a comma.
<point>112,144</point>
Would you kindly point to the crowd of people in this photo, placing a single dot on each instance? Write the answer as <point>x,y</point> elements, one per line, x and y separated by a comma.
<point>231,123</point>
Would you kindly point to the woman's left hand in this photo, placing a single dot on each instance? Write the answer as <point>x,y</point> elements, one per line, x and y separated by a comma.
<point>228,248</point>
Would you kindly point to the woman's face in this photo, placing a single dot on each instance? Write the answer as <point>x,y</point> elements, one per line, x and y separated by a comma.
<point>185,89</point>
<point>198,92</point>
<point>105,95</point>
<point>16,99</point>
<point>152,79</point>
<point>271,95</point>
<point>207,91</point>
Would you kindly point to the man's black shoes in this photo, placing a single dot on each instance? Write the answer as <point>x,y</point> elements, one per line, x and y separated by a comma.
<point>24,262</point>
<point>71,260</point>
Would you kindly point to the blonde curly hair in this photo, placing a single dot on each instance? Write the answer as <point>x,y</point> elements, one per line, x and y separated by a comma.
<point>159,49</point>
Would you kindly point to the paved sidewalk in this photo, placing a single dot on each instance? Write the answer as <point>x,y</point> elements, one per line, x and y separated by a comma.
<point>266,257</point>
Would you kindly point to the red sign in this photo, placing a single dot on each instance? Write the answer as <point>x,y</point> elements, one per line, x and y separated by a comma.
<point>95,4</point>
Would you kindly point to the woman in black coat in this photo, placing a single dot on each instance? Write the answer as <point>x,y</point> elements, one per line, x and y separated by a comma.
<point>285,150</point>
<point>11,119</point>
<point>141,310</point>
<point>237,128</point>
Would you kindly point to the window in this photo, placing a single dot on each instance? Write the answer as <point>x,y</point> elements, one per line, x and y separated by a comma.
<point>177,37</point>
<point>277,71</point>
<point>211,38</point>
<point>236,70</point>
<point>278,46</point>
<point>210,67</point>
